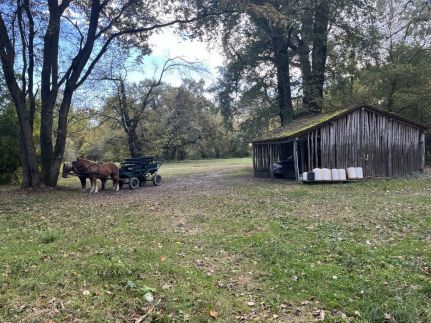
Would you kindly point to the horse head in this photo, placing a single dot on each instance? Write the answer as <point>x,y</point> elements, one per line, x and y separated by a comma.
<point>67,168</point>
<point>80,165</point>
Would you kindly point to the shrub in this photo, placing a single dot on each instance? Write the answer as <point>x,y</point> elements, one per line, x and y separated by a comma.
<point>10,160</point>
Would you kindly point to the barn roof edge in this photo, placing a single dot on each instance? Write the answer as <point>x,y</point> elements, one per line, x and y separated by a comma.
<point>301,126</point>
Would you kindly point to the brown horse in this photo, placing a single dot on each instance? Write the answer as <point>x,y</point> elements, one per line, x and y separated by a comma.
<point>69,168</point>
<point>96,171</point>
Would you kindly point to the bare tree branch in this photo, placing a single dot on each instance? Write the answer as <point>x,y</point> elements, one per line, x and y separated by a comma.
<point>105,46</point>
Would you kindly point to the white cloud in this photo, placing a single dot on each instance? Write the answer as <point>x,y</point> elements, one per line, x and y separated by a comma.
<point>167,44</point>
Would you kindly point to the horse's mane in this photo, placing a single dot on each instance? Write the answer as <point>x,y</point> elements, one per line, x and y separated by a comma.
<point>84,160</point>
<point>90,161</point>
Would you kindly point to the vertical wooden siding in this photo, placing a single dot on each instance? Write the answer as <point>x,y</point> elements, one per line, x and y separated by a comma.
<point>384,147</point>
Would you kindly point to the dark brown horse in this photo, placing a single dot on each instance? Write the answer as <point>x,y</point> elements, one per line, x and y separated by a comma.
<point>69,168</point>
<point>96,171</point>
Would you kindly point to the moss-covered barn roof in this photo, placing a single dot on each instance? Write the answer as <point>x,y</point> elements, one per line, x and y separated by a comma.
<point>306,124</point>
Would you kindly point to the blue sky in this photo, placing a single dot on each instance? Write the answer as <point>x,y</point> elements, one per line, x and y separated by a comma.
<point>164,44</point>
<point>167,44</point>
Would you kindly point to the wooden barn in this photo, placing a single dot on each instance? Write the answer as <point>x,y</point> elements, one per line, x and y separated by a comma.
<point>383,143</point>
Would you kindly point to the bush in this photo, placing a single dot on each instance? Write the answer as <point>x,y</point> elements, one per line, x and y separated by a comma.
<point>10,160</point>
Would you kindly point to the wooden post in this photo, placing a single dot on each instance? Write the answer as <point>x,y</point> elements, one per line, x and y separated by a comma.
<point>390,135</point>
<point>271,161</point>
<point>316,147</point>
<point>310,167</point>
<point>313,154</point>
<point>295,158</point>
<point>361,139</point>
<point>253,155</point>
<point>422,150</point>
<point>301,148</point>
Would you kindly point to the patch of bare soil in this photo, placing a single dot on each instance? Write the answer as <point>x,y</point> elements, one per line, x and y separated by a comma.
<point>204,182</point>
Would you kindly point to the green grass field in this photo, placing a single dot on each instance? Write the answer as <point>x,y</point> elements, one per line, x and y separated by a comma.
<point>215,243</point>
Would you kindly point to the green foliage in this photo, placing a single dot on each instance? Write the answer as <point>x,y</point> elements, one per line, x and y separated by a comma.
<point>10,160</point>
<point>192,128</point>
<point>385,61</point>
<point>48,236</point>
<point>179,123</point>
<point>271,32</point>
<point>400,84</point>
<point>90,138</point>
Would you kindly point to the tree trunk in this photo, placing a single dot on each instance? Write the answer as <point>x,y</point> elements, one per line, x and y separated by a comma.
<point>308,98</point>
<point>391,94</point>
<point>60,143</point>
<point>46,143</point>
<point>280,43</point>
<point>308,95</point>
<point>135,146</point>
<point>319,53</point>
<point>129,124</point>
<point>313,73</point>
<point>30,169</point>
<point>282,63</point>
<point>49,91</point>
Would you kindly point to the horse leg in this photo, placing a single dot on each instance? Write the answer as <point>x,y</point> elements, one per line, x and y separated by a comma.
<point>92,184</point>
<point>117,184</point>
<point>116,181</point>
<point>103,184</point>
<point>96,188</point>
<point>83,183</point>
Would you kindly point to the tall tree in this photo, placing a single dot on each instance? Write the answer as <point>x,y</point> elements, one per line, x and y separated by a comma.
<point>314,30</point>
<point>128,105</point>
<point>387,66</point>
<point>75,35</point>
<point>290,40</point>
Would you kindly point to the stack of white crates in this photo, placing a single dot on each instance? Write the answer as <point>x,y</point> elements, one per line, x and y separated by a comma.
<point>333,175</point>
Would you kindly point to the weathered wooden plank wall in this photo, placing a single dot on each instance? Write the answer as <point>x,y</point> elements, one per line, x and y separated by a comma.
<point>383,146</point>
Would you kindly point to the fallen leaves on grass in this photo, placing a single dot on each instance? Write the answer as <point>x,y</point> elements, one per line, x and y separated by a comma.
<point>149,297</point>
<point>389,318</point>
<point>319,315</point>
<point>261,227</point>
<point>214,314</point>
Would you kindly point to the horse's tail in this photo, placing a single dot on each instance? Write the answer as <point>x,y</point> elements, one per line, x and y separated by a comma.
<point>114,169</point>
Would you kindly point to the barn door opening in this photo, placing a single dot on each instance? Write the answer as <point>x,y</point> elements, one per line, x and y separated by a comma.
<point>282,165</point>
<point>309,152</point>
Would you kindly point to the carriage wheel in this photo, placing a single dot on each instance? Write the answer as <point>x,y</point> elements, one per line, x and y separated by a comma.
<point>133,183</point>
<point>157,179</point>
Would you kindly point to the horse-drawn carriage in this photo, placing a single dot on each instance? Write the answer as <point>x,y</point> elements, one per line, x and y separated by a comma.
<point>137,171</point>
<point>133,171</point>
